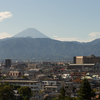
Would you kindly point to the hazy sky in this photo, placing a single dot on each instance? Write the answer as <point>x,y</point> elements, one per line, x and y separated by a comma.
<point>66,20</point>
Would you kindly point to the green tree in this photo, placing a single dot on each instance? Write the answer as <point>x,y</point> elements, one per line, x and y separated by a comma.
<point>25,92</point>
<point>6,92</point>
<point>26,98</point>
<point>85,92</point>
<point>4,77</point>
<point>24,77</point>
<point>66,98</point>
<point>16,86</point>
<point>40,91</point>
<point>62,94</point>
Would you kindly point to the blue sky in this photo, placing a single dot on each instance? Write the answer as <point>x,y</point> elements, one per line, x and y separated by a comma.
<point>65,20</point>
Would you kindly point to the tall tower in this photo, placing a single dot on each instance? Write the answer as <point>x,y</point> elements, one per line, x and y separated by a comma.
<point>8,62</point>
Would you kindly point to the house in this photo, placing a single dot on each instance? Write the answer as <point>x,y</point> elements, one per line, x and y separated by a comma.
<point>69,92</point>
<point>38,96</point>
<point>47,91</point>
<point>15,73</point>
<point>87,76</point>
<point>40,75</point>
<point>64,76</point>
<point>68,84</point>
<point>77,82</point>
<point>78,74</point>
<point>17,96</point>
<point>46,63</point>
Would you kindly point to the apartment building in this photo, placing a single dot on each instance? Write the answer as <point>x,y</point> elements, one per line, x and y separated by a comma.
<point>34,85</point>
<point>53,85</point>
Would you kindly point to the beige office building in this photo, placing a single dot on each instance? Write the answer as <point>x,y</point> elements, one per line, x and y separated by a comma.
<point>86,59</point>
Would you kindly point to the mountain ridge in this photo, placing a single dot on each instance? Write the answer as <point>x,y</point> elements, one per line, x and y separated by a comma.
<point>45,48</point>
<point>31,43</point>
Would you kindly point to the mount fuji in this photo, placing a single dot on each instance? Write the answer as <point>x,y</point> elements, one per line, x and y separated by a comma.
<point>30,32</point>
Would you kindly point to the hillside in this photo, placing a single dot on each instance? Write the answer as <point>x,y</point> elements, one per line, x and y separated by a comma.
<point>45,48</point>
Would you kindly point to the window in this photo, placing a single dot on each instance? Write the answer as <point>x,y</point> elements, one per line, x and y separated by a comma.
<point>59,83</point>
<point>45,82</point>
<point>34,83</point>
<point>42,82</point>
<point>31,83</point>
<point>26,83</point>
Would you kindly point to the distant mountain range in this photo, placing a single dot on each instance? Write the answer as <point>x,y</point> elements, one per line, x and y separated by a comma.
<point>43,48</point>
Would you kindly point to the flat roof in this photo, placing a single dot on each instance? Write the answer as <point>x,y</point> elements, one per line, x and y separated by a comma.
<point>82,64</point>
<point>79,56</point>
<point>19,81</point>
<point>51,86</point>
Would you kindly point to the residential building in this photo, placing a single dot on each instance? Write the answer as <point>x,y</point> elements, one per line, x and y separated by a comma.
<point>34,85</point>
<point>38,96</point>
<point>15,73</point>
<point>53,85</point>
<point>32,66</point>
<point>46,63</point>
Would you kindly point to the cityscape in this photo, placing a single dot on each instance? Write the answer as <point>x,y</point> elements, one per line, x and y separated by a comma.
<point>48,77</point>
<point>49,50</point>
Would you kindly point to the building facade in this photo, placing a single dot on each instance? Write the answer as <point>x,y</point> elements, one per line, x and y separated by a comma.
<point>86,59</point>
<point>8,62</point>
<point>34,85</point>
<point>15,73</point>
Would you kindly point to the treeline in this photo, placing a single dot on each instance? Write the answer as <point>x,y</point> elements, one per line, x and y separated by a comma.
<point>7,92</point>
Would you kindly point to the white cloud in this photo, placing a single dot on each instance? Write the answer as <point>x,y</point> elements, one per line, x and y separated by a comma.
<point>85,40</point>
<point>66,39</point>
<point>55,36</point>
<point>4,15</point>
<point>94,34</point>
<point>4,35</point>
<point>91,36</point>
<point>75,39</point>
